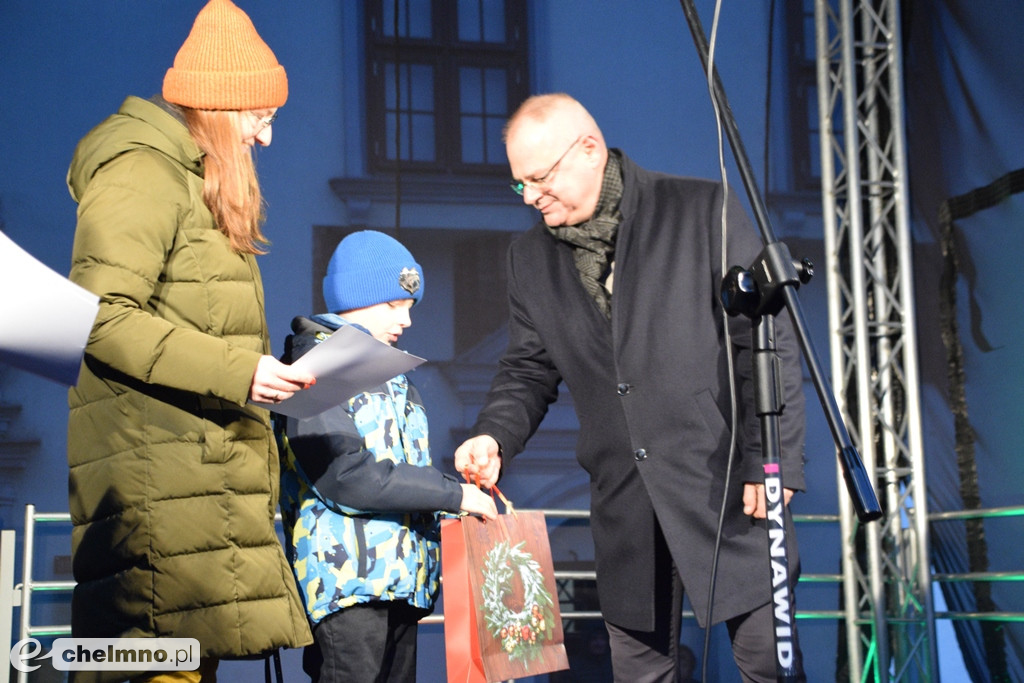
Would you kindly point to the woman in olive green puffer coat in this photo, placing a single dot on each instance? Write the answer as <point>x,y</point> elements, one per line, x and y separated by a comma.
<point>173,476</point>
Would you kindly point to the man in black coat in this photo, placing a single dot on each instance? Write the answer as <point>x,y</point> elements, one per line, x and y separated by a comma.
<point>616,293</point>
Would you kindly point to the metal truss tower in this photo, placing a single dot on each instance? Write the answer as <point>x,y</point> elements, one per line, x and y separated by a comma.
<point>889,617</point>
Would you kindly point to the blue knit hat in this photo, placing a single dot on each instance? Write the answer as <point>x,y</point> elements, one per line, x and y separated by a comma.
<point>368,268</point>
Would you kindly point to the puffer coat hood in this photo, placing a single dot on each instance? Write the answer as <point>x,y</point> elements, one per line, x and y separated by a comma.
<point>138,124</point>
<point>173,478</point>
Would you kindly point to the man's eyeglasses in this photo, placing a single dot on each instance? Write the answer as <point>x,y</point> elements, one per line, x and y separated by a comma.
<point>263,122</point>
<point>542,183</point>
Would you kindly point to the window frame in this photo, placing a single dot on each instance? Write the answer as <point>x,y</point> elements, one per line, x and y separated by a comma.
<point>446,55</point>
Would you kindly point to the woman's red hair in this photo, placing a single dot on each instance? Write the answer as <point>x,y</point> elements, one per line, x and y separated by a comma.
<point>231,188</point>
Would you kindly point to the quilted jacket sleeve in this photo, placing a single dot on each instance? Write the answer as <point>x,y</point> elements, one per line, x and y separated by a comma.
<point>128,243</point>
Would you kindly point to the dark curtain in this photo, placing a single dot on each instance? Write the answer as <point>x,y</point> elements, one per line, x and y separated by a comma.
<point>965,134</point>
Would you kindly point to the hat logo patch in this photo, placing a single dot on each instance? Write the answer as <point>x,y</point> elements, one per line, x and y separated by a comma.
<point>409,280</point>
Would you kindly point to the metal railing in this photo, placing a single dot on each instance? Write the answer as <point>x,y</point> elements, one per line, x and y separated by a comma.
<point>19,595</point>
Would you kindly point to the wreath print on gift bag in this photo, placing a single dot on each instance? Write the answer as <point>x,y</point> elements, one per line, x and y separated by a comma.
<point>519,620</point>
<point>501,622</point>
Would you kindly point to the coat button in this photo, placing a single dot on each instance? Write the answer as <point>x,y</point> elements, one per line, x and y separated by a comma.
<point>622,389</point>
<point>640,454</point>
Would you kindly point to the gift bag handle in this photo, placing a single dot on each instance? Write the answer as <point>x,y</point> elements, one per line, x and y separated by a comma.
<point>508,504</point>
<point>509,508</point>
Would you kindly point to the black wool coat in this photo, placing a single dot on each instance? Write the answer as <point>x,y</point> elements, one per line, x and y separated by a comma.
<point>651,391</point>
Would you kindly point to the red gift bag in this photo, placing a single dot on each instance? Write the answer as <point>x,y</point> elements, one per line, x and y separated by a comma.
<point>501,616</point>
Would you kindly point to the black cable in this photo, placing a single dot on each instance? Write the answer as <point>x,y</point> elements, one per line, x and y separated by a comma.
<point>768,94</point>
<point>398,125</point>
<point>730,361</point>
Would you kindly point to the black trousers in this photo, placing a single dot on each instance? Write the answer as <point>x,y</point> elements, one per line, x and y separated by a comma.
<point>653,656</point>
<point>368,643</point>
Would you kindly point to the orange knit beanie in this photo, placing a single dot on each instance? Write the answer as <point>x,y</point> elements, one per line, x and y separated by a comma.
<point>224,64</point>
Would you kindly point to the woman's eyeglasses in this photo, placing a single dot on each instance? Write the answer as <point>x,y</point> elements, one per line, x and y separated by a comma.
<point>263,122</point>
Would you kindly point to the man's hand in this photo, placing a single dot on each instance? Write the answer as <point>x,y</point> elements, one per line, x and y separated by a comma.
<point>479,461</point>
<point>754,503</point>
<point>476,502</point>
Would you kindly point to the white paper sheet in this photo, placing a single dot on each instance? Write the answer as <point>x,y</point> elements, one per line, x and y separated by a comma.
<point>45,319</point>
<point>345,364</point>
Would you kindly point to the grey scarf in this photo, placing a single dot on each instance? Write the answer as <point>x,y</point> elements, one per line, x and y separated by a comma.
<point>593,240</point>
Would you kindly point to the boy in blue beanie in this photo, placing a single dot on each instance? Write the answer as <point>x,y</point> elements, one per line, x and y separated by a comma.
<point>359,497</point>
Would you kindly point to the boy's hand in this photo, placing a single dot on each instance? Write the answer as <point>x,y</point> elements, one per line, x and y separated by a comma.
<point>476,502</point>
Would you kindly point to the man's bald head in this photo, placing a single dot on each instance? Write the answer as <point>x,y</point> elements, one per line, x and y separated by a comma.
<point>565,188</point>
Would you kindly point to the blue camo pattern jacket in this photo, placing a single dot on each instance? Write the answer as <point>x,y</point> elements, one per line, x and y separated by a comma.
<point>360,498</point>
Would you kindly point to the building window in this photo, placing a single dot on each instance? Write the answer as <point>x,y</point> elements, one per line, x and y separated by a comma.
<point>442,78</point>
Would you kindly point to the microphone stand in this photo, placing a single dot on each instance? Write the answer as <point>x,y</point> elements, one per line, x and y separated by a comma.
<point>760,292</point>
